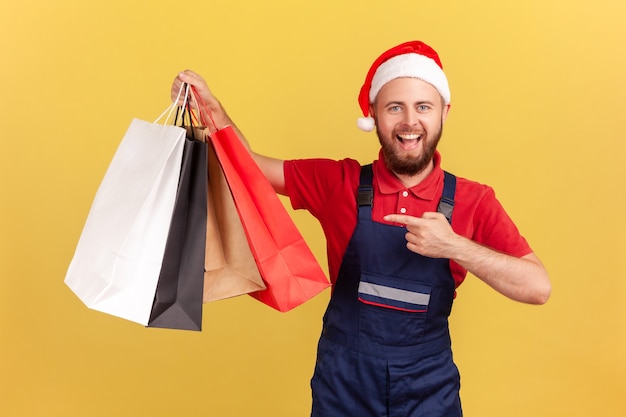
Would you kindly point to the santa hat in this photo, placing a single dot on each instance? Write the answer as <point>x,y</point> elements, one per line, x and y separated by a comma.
<point>412,59</point>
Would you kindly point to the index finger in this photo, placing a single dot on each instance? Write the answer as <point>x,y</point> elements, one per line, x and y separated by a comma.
<point>400,218</point>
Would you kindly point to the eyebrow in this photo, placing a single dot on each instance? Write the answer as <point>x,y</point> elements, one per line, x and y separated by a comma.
<point>404,103</point>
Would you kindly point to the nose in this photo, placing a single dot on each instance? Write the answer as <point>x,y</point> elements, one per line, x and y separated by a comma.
<point>411,118</point>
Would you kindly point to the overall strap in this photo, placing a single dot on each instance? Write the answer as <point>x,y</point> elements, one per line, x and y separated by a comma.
<point>365,196</point>
<point>446,204</point>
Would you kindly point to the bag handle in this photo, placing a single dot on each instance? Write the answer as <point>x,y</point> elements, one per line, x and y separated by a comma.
<point>193,119</point>
<point>188,112</point>
<point>202,106</point>
<point>188,109</point>
<point>174,106</point>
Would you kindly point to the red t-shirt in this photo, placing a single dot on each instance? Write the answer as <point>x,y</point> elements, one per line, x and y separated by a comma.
<point>328,188</point>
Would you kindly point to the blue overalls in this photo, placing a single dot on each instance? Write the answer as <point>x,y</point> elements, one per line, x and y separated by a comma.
<point>385,345</point>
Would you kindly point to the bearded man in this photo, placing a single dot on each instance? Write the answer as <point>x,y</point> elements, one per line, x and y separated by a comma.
<point>401,236</point>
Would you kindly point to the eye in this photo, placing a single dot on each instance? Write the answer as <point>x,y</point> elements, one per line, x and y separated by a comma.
<point>422,108</point>
<point>394,108</point>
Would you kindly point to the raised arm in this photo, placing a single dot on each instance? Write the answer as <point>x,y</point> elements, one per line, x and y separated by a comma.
<point>272,168</point>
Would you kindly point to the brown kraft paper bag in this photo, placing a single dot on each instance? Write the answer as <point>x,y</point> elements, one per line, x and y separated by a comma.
<point>230,268</point>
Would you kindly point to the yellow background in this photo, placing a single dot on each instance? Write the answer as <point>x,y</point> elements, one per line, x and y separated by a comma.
<point>538,97</point>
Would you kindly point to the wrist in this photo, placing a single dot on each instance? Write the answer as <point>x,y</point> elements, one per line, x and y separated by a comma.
<point>214,114</point>
<point>461,248</point>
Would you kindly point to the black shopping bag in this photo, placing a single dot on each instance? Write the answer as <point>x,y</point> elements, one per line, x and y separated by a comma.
<point>178,298</point>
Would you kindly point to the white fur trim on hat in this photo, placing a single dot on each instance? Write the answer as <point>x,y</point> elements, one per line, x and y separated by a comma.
<point>366,124</point>
<point>414,66</point>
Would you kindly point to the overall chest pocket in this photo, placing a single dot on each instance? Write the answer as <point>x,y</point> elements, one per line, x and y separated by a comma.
<point>393,311</point>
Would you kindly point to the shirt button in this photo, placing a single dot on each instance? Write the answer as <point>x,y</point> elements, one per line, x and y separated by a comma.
<point>402,210</point>
<point>405,193</point>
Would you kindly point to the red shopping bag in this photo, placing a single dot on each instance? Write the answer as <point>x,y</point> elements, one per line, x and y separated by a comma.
<point>290,271</point>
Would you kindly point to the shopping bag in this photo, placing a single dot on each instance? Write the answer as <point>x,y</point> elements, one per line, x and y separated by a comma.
<point>117,261</point>
<point>178,298</point>
<point>290,271</point>
<point>229,266</point>
<point>230,269</point>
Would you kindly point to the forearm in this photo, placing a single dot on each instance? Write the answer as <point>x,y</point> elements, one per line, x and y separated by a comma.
<point>522,279</point>
<point>272,168</point>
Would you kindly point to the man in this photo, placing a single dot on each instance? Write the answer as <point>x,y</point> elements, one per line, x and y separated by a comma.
<point>401,236</point>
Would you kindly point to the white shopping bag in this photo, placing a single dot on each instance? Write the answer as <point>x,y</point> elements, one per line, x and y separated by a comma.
<point>118,258</point>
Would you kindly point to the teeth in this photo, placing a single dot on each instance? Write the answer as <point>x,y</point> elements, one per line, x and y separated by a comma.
<point>409,136</point>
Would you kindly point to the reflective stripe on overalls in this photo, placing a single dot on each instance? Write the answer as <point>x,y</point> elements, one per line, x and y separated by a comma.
<point>385,344</point>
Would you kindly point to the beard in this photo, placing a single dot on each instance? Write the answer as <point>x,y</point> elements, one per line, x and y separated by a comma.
<point>408,165</point>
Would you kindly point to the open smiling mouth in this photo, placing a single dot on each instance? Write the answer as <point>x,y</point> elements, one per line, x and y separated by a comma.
<point>409,139</point>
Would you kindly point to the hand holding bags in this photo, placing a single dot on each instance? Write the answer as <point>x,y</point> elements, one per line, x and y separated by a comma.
<point>163,234</point>
<point>289,269</point>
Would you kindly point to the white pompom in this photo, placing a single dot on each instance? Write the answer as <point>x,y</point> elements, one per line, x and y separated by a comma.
<point>366,124</point>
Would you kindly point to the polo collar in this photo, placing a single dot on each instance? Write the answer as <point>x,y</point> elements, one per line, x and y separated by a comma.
<point>388,183</point>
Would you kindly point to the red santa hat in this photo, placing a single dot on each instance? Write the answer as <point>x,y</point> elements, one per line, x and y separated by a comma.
<point>412,59</point>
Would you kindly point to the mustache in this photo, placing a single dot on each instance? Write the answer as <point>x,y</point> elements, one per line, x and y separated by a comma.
<point>408,131</point>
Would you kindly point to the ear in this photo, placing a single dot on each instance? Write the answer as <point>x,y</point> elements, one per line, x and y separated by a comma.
<point>444,112</point>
